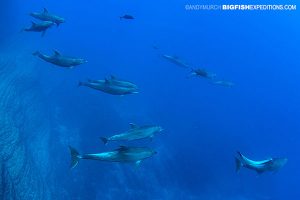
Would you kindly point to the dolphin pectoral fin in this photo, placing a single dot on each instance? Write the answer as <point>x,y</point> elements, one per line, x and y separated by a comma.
<point>259,172</point>
<point>138,163</point>
<point>43,33</point>
<point>133,126</point>
<point>122,149</point>
<point>151,138</point>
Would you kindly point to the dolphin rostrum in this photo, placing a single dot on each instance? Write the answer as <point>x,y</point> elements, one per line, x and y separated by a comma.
<point>123,154</point>
<point>46,16</point>
<point>271,164</point>
<point>60,60</point>
<point>134,133</point>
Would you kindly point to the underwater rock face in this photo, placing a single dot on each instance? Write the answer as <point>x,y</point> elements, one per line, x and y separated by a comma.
<point>24,132</point>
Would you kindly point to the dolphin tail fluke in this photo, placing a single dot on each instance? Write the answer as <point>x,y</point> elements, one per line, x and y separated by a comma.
<point>74,157</point>
<point>238,161</point>
<point>104,140</point>
<point>192,74</point>
<point>80,83</point>
<point>37,53</point>
<point>238,164</point>
<point>23,29</point>
<point>212,76</point>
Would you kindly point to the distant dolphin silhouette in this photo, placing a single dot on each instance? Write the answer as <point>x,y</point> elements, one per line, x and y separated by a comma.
<point>175,60</point>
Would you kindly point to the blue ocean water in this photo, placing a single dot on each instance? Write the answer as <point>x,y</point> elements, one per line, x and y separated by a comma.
<point>204,124</point>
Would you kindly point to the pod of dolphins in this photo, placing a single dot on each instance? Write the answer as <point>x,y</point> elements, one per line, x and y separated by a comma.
<point>115,86</point>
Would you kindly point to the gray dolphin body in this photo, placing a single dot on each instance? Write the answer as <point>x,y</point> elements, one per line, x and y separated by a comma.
<point>176,61</point>
<point>109,87</point>
<point>123,154</point>
<point>46,16</point>
<point>223,83</point>
<point>134,133</point>
<point>272,164</point>
<point>203,73</point>
<point>59,60</point>
<point>39,27</point>
<point>117,82</point>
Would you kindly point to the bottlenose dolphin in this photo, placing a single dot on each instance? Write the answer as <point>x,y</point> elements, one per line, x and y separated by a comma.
<point>223,83</point>
<point>271,164</point>
<point>60,60</point>
<point>39,27</point>
<point>113,80</point>
<point>156,47</point>
<point>109,87</point>
<point>122,154</point>
<point>176,60</point>
<point>203,73</point>
<point>127,17</point>
<point>46,16</point>
<point>134,133</point>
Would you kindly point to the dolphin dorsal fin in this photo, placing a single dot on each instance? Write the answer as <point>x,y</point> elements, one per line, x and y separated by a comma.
<point>57,53</point>
<point>33,23</point>
<point>112,77</point>
<point>45,10</point>
<point>132,125</point>
<point>106,81</point>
